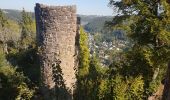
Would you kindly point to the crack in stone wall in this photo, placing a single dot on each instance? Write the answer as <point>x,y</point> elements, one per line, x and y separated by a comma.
<point>57,36</point>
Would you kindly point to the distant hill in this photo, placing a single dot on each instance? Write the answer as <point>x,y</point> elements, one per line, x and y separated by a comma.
<point>97,24</point>
<point>91,23</point>
<point>15,14</point>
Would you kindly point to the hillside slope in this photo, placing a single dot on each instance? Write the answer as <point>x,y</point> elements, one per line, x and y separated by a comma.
<point>91,23</point>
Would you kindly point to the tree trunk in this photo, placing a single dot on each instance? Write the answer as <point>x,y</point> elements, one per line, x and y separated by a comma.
<point>166,92</point>
<point>5,48</point>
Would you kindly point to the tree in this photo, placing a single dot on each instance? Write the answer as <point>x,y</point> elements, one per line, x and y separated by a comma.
<point>3,19</point>
<point>149,31</point>
<point>83,69</point>
<point>97,78</point>
<point>3,24</point>
<point>10,32</point>
<point>13,83</point>
<point>28,30</point>
<point>84,54</point>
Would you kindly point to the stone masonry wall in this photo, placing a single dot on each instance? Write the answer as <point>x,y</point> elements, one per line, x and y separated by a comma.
<point>56,39</point>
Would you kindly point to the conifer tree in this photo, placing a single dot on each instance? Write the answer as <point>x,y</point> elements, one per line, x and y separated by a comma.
<point>84,53</point>
<point>3,24</point>
<point>83,70</point>
<point>28,29</point>
<point>149,30</point>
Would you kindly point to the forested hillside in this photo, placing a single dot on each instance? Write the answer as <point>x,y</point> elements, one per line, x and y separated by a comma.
<point>123,57</point>
<point>96,22</point>
<point>95,27</point>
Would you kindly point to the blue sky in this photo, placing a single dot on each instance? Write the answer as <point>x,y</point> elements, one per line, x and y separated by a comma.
<point>86,7</point>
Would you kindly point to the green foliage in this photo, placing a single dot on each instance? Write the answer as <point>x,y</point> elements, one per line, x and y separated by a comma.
<point>120,88</point>
<point>136,88</point>
<point>132,77</point>
<point>13,83</point>
<point>90,72</point>
<point>27,61</point>
<point>3,19</point>
<point>13,31</point>
<point>98,38</point>
<point>84,54</point>
<point>24,92</point>
<point>103,89</point>
<point>147,26</point>
<point>97,24</point>
<point>9,29</point>
<point>28,30</point>
<point>100,83</point>
<point>97,77</point>
<point>10,34</point>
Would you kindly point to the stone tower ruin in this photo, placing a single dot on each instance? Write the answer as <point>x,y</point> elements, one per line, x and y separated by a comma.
<point>57,34</point>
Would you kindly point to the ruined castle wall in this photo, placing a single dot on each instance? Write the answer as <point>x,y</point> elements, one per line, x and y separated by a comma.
<point>56,38</point>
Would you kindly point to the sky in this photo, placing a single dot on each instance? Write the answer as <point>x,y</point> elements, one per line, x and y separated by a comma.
<point>85,7</point>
